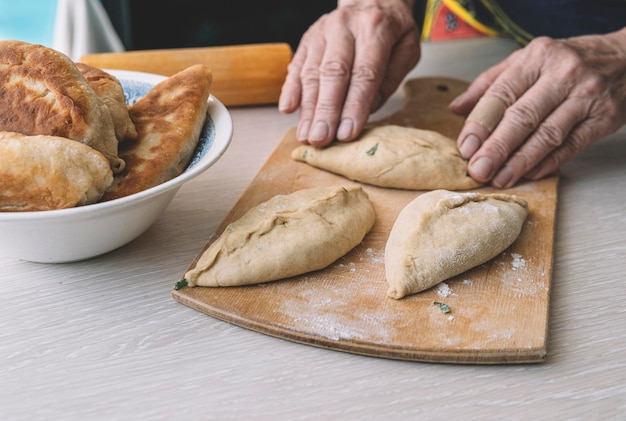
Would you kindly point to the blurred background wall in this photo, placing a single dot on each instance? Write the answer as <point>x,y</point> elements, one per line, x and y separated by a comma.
<point>149,24</point>
<point>78,27</point>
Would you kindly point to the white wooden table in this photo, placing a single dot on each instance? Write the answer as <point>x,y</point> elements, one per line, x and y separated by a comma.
<point>104,340</point>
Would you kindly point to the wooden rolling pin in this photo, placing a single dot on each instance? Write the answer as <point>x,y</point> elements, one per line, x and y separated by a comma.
<point>250,74</point>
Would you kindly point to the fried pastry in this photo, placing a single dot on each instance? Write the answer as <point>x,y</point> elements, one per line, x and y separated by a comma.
<point>43,172</point>
<point>43,93</point>
<point>168,119</point>
<point>110,91</point>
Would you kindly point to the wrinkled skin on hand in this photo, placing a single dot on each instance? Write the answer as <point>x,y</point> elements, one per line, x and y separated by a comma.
<point>348,63</point>
<point>561,96</point>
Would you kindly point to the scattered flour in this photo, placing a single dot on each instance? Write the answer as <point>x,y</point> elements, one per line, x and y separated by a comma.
<point>350,266</point>
<point>518,262</point>
<point>443,289</point>
<point>373,256</point>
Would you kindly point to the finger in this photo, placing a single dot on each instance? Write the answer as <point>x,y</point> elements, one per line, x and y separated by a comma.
<point>404,57</point>
<point>464,103</point>
<point>334,79</point>
<point>309,79</point>
<point>290,93</point>
<point>370,63</point>
<point>519,121</point>
<point>480,123</point>
<point>553,134</point>
<point>488,112</point>
<point>488,85</point>
<point>583,135</point>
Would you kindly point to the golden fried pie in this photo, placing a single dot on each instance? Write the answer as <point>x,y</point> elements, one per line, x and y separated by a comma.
<point>43,93</point>
<point>168,119</point>
<point>110,91</point>
<point>43,172</point>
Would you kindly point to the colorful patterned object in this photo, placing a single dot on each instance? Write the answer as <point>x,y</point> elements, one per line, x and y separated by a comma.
<point>453,19</point>
<point>450,19</point>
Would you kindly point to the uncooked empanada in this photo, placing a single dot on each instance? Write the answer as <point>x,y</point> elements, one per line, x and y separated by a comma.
<point>48,172</point>
<point>441,234</point>
<point>287,235</point>
<point>396,157</point>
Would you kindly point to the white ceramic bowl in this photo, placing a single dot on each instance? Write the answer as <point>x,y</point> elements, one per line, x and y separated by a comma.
<point>80,233</point>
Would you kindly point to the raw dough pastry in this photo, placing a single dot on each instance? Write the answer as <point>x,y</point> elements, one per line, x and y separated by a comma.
<point>441,234</point>
<point>396,157</point>
<point>287,235</point>
<point>48,172</point>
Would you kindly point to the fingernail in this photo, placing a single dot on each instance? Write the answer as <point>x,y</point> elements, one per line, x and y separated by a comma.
<point>503,178</point>
<point>345,129</point>
<point>456,101</point>
<point>469,146</point>
<point>319,131</point>
<point>284,103</point>
<point>482,168</point>
<point>303,130</point>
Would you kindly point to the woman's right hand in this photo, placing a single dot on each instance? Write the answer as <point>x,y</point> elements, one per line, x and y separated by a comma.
<point>348,63</point>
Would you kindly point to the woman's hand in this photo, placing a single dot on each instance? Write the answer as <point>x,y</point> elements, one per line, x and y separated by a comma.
<point>347,65</point>
<point>554,97</point>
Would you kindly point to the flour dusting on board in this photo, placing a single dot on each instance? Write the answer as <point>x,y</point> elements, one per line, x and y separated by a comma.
<point>323,310</point>
<point>370,258</point>
<point>517,280</point>
<point>374,257</point>
<point>443,290</point>
<point>351,266</point>
<point>518,261</point>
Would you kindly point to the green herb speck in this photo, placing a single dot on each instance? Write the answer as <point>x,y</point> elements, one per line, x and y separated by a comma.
<point>443,307</point>
<point>180,284</point>
<point>371,151</point>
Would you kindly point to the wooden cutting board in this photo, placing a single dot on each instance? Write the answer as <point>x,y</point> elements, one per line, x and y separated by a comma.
<point>498,311</point>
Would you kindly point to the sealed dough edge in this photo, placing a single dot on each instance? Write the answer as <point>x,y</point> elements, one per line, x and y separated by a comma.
<point>441,234</point>
<point>286,236</point>
<point>394,156</point>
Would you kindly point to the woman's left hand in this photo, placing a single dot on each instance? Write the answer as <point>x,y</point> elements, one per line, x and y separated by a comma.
<point>541,106</point>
